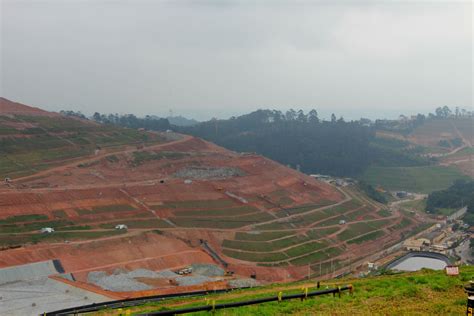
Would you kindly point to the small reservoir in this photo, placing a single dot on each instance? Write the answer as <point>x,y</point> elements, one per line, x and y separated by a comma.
<point>415,261</point>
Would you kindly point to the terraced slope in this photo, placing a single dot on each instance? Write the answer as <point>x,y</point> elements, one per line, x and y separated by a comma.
<point>448,142</point>
<point>257,216</point>
<point>32,139</point>
<point>433,131</point>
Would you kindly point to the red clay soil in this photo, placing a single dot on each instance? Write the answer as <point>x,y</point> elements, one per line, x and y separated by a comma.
<point>12,108</point>
<point>210,286</point>
<point>89,287</point>
<point>465,163</point>
<point>109,183</point>
<point>148,251</point>
<point>145,185</point>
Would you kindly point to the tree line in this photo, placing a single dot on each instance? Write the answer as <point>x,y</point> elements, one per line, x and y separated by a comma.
<point>125,120</point>
<point>460,194</point>
<point>301,140</point>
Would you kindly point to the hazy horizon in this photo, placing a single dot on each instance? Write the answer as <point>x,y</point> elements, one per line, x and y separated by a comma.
<point>204,59</point>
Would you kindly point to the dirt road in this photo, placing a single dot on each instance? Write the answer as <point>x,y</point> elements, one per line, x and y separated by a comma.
<point>97,157</point>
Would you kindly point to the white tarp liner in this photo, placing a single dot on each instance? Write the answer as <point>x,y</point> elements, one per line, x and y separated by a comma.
<point>29,271</point>
<point>27,290</point>
<point>34,297</point>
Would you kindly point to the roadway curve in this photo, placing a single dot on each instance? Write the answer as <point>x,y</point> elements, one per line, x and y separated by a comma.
<point>90,159</point>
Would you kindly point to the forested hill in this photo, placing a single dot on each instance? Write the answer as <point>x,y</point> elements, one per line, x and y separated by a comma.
<point>303,141</point>
<point>297,139</point>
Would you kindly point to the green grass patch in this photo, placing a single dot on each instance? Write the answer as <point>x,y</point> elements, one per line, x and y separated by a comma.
<point>149,223</point>
<point>370,236</point>
<point>78,227</point>
<point>327,267</point>
<point>305,220</point>
<point>317,256</point>
<point>236,211</point>
<point>43,148</point>
<point>276,226</point>
<point>356,229</point>
<point>415,205</point>
<point>425,292</point>
<point>106,209</point>
<point>413,179</point>
<point>305,248</point>
<point>196,204</point>
<point>23,218</point>
<point>59,214</point>
<point>384,213</point>
<point>255,257</point>
<point>303,208</point>
<point>13,240</point>
<point>32,226</point>
<point>264,246</point>
<point>112,159</point>
<point>358,214</point>
<point>404,223</point>
<point>343,208</point>
<point>260,236</point>
<point>321,233</point>
<point>233,222</point>
<point>140,157</point>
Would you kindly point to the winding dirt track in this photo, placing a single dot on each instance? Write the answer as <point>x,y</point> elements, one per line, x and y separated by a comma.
<point>62,168</point>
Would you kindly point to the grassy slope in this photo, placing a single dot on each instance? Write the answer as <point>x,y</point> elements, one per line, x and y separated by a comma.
<point>49,141</point>
<point>428,178</point>
<point>420,293</point>
<point>432,131</point>
<point>414,179</point>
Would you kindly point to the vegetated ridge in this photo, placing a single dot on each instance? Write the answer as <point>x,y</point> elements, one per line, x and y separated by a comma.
<point>392,154</point>
<point>416,293</point>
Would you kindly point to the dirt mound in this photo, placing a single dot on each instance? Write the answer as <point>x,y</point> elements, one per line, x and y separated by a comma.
<point>14,108</point>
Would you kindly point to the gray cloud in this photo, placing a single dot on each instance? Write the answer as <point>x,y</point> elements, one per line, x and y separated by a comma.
<point>222,58</point>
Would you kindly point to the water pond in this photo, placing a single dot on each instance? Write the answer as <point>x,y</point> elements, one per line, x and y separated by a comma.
<point>416,263</point>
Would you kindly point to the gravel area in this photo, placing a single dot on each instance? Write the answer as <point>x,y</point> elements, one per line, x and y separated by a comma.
<point>243,283</point>
<point>116,282</point>
<point>167,274</point>
<point>208,270</point>
<point>35,297</point>
<point>192,280</point>
<point>122,280</point>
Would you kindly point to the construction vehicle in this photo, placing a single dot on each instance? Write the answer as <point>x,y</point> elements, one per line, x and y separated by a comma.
<point>185,271</point>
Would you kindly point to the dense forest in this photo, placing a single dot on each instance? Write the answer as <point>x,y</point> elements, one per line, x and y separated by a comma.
<point>149,122</point>
<point>372,192</point>
<point>131,121</point>
<point>301,141</point>
<point>460,194</point>
<point>305,142</point>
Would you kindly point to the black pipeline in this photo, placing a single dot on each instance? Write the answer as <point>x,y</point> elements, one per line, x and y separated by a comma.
<point>130,302</point>
<point>213,306</point>
<point>469,289</point>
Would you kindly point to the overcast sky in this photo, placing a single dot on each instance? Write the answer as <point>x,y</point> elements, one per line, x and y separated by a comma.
<point>219,58</point>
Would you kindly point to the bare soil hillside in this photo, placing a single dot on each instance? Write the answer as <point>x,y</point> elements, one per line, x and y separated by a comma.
<point>184,201</point>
